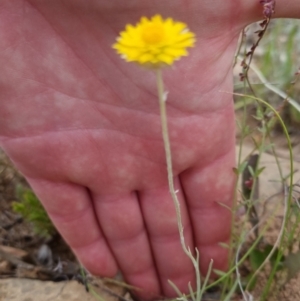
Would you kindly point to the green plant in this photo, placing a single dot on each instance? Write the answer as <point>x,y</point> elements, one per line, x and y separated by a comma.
<point>31,209</point>
<point>274,66</point>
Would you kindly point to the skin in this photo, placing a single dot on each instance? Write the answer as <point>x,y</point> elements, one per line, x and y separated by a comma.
<point>83,127</point>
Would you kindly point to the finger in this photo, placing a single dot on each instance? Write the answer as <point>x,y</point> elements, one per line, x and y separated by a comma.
<point>122,223</point>
<point>70,208</point>
<point>209,191</point>
<point>161,222</point>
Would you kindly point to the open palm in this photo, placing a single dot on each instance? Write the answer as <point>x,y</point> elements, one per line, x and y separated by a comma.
<point>83,127</point>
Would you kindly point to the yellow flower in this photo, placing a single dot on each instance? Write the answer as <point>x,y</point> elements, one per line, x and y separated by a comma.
<point>154,42</point>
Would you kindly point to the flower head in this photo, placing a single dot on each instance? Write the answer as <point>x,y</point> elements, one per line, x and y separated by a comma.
<point>154,42</point>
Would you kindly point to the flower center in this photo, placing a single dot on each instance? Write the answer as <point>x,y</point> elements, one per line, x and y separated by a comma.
<point>153,33</point>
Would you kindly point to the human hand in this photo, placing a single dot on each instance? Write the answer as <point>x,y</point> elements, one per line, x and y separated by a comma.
<point>84,128</point>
